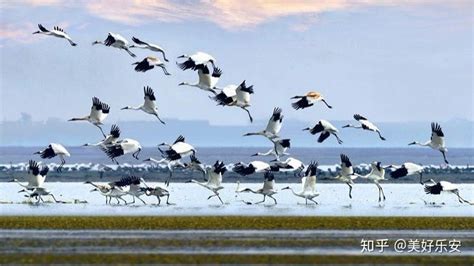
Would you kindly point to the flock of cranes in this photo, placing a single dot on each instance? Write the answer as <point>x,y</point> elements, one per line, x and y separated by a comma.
<point>231,95</point>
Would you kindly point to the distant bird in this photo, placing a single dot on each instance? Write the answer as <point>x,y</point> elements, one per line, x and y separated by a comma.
<point>38,193</point>
<point>308,183</point>
<point>251,168</point>
<point>195,164</point>
<point>326,130</point>
<point>149,46</point>
<point>238,96</point>
<point>436,188</point>
<point>169,164</point>
<point>267,189</point>
<point>111,138</point>
<point>149,106</point>
<point>116,40</point>
<point>137,187</point>
<point>158,192</point>
<point>56,32</point>
<point>214,179</point>
<point>99,111</point>
<point>280,146</point>
<point>308,100</point>
<point>436,142</point>
<point>273,126</point>
<point>122,147</point>
<point>36,177</point>
<point>149,63</point>
<point>289,165</point>
<point>406,169</point>
<point>53,150</point>
<point>347,174</point>
<point>207,81</point>
<point>376,175</point>
<point>365,124</point>
<point>196,61</point>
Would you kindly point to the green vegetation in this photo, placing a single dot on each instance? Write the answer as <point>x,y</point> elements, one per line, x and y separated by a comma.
<point>217,259</point>
<point>233,222</point>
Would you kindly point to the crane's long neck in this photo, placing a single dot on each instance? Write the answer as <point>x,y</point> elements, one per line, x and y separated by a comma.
<point>255,133</point>
<point>421,144</point>
<point>294,193</point>
<point>270,152</point>
<point>238,190</point>
<point>133,108</point>
<point>352,126</point>
<point>190,84</point>
<point>18,182</point>
<point>93,144</point>
<point>85,118</point>
<point>197,182</point>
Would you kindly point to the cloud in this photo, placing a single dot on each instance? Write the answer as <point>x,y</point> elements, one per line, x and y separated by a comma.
<point>227,14</point>
<point>17,32</point>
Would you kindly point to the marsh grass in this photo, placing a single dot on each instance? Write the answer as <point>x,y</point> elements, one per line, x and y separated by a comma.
<point>233,222</point>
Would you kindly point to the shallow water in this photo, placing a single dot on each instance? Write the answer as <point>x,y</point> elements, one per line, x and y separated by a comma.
<point>191,199</point>
<point>244,242</point>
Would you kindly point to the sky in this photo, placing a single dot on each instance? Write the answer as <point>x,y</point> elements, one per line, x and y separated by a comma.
<point>390,61</point>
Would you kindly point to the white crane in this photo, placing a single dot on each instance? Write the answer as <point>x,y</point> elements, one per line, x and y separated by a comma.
<point>238,96</point>
<point>103,189</point>
<point>376,175</point>
<point>366,125</point>
<point>36,177</point>
<point>53,150</point>
<point>99,111</point>
<point>149,63</point>
<point>175,152</point>
<point>250,168</point>
<point>406,169</point>
<point>273,126</point>
<point>326,129</point>
<point>207,81</point>
<point>110,190</point>
<point>267,190</point>
<point>158,192</point>
<point>436,142</point>
<point>214,179</point>
<point>149,105</point>
<point>196,61</point>
<point>347,174</point>
<point>149,46</point>
<point>135,187</point>
<point>178,150</point>
<point>110,139</point>
<point>308,100</point>
<point>435,188</point>
<point>116,40</point>
<point>289,165</point>
<point>169,164</point>
<point>308,183</point>
<point>38,192</point>
<point>280,146</point>
<point>122,147</point>
<point>55,32</point>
